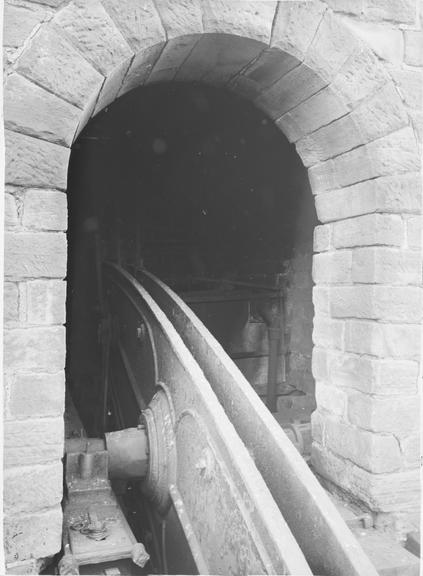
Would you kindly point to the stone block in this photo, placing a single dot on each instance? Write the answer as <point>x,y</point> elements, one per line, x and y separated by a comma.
<point>45,210</point>
<point>378,453</point>
<point>35,441</point>
<point>328,333</point>
<point>410,85</point>
<point>32,488</point>
<point>397,194</point>
<point>332,267</point>
<point>321,295</point>
<point>398,341</point>
<point>38,535</point>
<point>413,47</point>
<point>393,154</point>
<point>251,19</point>
<point>322,238</point>
<point>35,254</point>
<point>35,349</point>
<point>11,214</point>
<point>319,364</point>
<point>44,301</point>
<point>140,68</point>
<point>380,229</point>
<point>111,88</point>
<point>371,375</point>
<point>398,415</point>
<point>140,24</point>
<point>399,11</point>
<point>317,111</point>
<point>180,18</point>
<point>34,162</point>
<point>292,89</point>
<point>10,302</point>
<point>94,34</point>
<point>382,492</point>
<point>416,118</point>
<point>361,76</point>
<point>295,26</point>
<point>48,117</point>
<point>386,266</point>
<point>35,395</point>
<point>269,67</point>
<point>172,56</point>
<point>331,47</point>
<point>57,66</point>
<point>216,58</point>
<point>414,231</point>
<point>386,42</point>
<point>331,399</point>
<point>317,424</point>
<point>20,22</point>
<point>411,450</point>
<point>386,303</point>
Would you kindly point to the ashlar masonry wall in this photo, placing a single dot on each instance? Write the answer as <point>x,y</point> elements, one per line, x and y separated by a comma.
<point>343,80</point>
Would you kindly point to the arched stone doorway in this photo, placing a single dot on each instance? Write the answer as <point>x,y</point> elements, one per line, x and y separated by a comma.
<point>329,94</point>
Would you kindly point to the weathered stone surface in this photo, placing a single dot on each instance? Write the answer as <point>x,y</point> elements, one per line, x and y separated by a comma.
<point>35,349</point>
<point>386,265</point>
<point>399,194</point>
<point>386,303</point>
<point>94,33</point>
<point>269,67</point>
<point>35,254</point>
<point>48,117</point>
<point>384,492</point>
<point>38,535</point>
<point>332,267</point>
<point>331,47</point>
<point>401,341</point>
<point>292,89</point>
<point>140,24</point>
<point>380,115</point>
<point>393,154</point>
<point>414,231</point>
<point>367,374</point>
<point>32,488</point>
<point>20,22</point>
<point>387,229</point>
<point>346,6</point>
<point>251,19</point>
<point>411,449</point>
<point>35,395</point>
<point>401,11</point>
<point>410,85</point>
<point>319,364</point>
<point>10,302</point>
<point>322,239</point>
<point>360,76</point>
<point>392,415</point>
<point>332,399</point>
<point>295,26</point>
<point>181,18</point>
<point>53,63</point>
<point>44,301</point>
<point>374,452</point>
<point>140,68</point>
<point>413,47</point>
<point>387,43</point>
<point>328,333</point>
<point>321,299</point>
<point>320,109</point>
<point>11,215</point>
<point>217,57</point>
<point>45,210</point>
<point>33,162</point>
<point>36,441</point>
<point>171,58</point>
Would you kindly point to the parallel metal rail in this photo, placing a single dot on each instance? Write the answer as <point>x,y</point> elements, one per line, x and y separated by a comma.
<point>286,516</point>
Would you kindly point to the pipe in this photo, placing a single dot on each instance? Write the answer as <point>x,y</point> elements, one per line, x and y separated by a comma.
<point>271,313</point>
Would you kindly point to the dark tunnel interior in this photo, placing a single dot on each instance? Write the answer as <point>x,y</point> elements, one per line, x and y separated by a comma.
<point>202,189</point>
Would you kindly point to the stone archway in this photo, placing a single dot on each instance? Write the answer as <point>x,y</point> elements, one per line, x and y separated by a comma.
<point>332,97</point>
